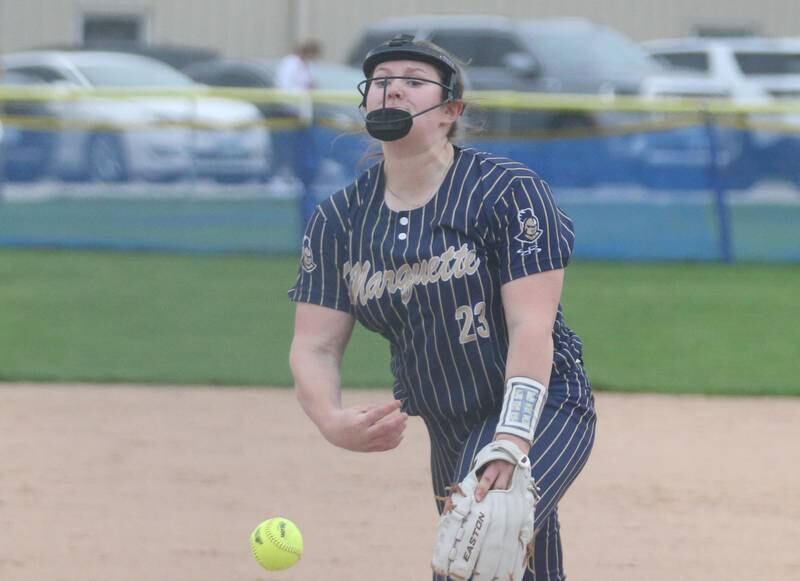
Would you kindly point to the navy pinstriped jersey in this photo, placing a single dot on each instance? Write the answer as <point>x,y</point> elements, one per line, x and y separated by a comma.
<point>429,279</point>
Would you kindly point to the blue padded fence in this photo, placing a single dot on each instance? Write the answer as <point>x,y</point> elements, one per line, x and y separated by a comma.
<point>701,191</point>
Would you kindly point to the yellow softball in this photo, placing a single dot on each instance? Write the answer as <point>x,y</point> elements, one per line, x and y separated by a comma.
<point>276,544</point>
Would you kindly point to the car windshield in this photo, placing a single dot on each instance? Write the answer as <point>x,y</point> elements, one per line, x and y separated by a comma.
<point>128,74</point>
<point>769,63</point>
<point>595,51</point>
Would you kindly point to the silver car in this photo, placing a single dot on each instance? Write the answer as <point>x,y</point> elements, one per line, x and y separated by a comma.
<point>108,138</point>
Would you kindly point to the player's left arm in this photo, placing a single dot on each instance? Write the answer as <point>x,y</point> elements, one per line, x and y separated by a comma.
<point>531,305</point>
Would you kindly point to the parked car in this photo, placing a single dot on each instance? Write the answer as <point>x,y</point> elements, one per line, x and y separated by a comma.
<point>332,161</point>
<point>742,66</point>
<point>556,56</point>
<point>175,55</point>
<point>27,147</point>
<point>750,70</point>
<point>155,137</point>
<point>547,56</point>
<point>259,73</point>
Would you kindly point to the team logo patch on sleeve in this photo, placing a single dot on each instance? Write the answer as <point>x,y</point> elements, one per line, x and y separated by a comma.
<point>307,260</point>
<point>529,232</point>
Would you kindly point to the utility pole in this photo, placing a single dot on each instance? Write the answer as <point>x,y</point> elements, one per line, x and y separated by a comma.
<point>299,21</point>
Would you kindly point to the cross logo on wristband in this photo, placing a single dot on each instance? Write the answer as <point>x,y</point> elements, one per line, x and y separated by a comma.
<point>523,405</point>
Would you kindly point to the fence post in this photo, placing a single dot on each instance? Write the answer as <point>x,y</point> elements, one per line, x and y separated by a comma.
<point>2,161</point>
<point>2,152</point>
<point>306,161</point>
<point>718,187</point>
<point>194,141</point>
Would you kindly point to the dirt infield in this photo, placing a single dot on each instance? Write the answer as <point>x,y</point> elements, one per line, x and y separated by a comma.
<point>137,483</point>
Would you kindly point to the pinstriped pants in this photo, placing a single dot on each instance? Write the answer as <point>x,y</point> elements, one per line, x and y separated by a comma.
<point>563,442</point>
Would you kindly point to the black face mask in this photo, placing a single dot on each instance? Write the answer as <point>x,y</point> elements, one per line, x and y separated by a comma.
<point>389,123</point>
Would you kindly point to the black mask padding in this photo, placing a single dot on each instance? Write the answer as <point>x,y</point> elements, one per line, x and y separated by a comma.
<point>388,124</point>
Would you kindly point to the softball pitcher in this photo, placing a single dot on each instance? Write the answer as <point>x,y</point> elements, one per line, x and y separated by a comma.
<point>457,258</point>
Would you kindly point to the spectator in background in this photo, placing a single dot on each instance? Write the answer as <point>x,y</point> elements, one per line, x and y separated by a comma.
<point>294,71</point>
<point>294,74</point>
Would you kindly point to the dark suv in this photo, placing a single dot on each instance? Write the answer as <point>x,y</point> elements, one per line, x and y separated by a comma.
<point>548,56</point>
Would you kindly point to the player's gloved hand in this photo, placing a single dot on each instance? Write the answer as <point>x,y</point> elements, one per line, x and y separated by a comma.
<point>488,539</point>
<point>366,428</point>
<point>498,473</point>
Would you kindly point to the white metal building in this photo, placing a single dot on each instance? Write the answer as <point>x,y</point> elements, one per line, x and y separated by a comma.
<point>271,27</point>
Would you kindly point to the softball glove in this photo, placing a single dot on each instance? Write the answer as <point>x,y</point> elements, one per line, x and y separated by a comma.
<point>490,539</point>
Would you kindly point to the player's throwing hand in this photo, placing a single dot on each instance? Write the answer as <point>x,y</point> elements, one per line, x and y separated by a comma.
<point>366,428</point>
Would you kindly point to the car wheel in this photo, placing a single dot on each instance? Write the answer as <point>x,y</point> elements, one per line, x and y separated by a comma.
<point>105,160</point>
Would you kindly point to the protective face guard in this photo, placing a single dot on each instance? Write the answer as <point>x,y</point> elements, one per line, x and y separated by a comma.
<point>363,87</point>
<point>391,124</point>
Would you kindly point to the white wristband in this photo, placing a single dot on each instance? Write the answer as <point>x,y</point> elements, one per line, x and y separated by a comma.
<point>522,407</point>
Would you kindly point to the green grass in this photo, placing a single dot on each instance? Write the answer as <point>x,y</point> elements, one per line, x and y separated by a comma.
<point>83,316</point>
<point>693,328</point>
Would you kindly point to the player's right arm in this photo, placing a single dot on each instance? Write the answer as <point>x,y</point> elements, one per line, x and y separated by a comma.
<point>321,335</point>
